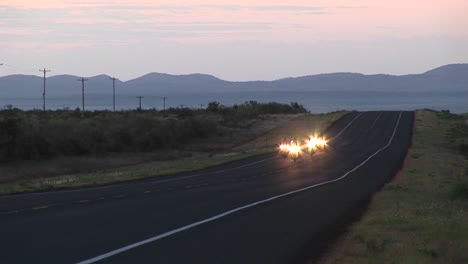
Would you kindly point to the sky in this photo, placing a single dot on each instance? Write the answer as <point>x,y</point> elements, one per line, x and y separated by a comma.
<point>233,40</point>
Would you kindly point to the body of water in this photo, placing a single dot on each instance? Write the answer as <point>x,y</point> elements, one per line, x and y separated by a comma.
<point>316,102</point>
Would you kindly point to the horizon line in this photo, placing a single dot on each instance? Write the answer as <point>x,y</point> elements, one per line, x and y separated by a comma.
<point>212,75</point>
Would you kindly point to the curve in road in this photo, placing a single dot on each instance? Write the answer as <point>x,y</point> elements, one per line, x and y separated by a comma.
<point>260,210</point>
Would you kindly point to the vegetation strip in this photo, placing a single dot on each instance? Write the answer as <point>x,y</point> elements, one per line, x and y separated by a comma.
<point>422,216</point>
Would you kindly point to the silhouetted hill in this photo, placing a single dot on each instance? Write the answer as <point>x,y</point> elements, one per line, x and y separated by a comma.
<point>58,85</point>
<point>19,85</point>
<point>452,77</point>
<point>450,70</point>
<point>174,83</point>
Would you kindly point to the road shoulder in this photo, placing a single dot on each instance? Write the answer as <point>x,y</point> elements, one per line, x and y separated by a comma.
<point>422,215</point>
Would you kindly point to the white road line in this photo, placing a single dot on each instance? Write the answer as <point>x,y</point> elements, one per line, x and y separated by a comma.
<point>178,230</point>
<point>352,121</point>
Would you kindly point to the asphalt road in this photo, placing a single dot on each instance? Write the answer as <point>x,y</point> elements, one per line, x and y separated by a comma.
<point>264,209</point>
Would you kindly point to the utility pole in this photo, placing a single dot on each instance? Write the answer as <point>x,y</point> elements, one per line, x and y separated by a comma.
<point>44,90</point>
<point>139,97</point>
<point>82,80</point>
<point>113,92</point>
<point>164,103</point>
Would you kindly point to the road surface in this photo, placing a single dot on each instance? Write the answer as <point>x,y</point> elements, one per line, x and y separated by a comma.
<point>264,209</point>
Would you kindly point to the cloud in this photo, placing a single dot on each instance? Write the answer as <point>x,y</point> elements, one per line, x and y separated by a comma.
<point>351,7</point>
<point>187,8</point>
<point>389,28</point>
<point>287,8</point>
<point>209,26</point>
<point>146,22</point>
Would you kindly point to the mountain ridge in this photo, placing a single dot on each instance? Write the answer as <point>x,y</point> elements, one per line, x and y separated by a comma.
<point>447,77</point>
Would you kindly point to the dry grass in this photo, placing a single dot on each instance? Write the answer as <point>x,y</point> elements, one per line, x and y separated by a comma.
<point>421,217</point>
<point>261,136</point>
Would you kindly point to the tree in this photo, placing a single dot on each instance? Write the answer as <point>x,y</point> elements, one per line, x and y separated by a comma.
<point>213,106</point>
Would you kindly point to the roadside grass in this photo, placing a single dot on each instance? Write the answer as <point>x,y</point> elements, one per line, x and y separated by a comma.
<point>71,172</point>
<point>422,216</point>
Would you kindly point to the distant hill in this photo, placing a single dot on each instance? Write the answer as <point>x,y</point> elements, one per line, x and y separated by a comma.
<point>450,70</point>
<point>453,77</point>
<point>161,82</point>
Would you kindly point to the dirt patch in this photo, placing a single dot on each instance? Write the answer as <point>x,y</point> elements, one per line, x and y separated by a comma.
<point>400,172</point>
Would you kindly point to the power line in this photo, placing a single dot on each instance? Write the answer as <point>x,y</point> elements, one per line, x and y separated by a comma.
<point>82,80</point>
<point>44,90</point>
<point>113,92</point>
<point>139,97</point>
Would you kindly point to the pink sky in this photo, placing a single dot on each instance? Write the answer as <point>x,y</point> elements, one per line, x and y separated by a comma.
<point>45,30</point>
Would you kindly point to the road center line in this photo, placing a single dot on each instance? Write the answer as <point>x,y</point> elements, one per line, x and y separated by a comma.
<point>40,207</point>
<point>178,230</point>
